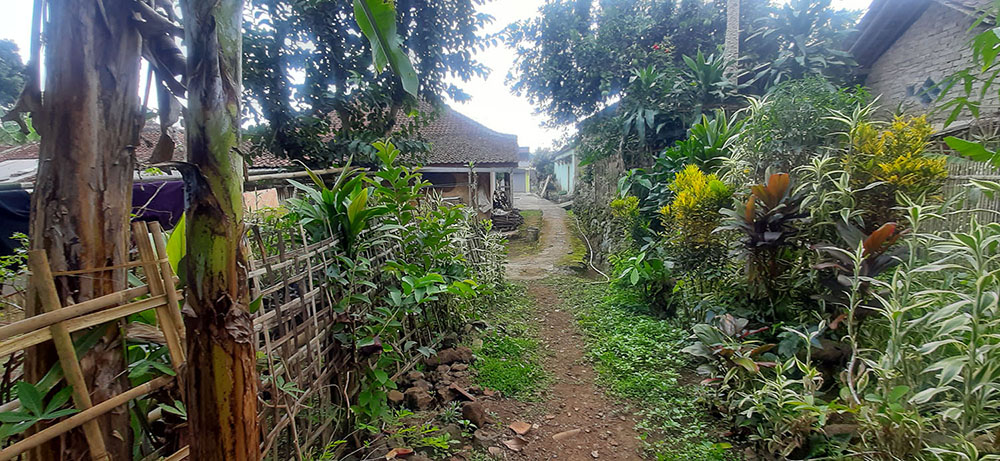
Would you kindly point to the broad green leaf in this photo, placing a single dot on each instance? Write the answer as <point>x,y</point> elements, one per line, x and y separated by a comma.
<point>973,150</point>
<point>30,398</point>
<point>177,244</point>
<point>377,20</point>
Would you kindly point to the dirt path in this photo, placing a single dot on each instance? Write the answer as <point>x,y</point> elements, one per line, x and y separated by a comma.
<point>553,241</point>
<point>576,420</point>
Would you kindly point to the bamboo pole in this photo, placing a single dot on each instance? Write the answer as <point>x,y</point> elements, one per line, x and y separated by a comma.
<point>78,323</point>
<point>140,232</point>
<point>74,310</point>
<point>45,287</point>
<point>173,300</point>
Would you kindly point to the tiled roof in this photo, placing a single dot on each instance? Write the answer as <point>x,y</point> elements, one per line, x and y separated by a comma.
<point>456,138</point>
<point>147,141</point>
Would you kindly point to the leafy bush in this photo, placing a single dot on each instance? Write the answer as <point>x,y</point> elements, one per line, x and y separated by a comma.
<point>790,125</point>
<point>695,208</point>
<point>769,223</point>
<point>889,161</point>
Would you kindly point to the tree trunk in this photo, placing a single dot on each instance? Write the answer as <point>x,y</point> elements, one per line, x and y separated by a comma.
<point>221,377</point>
<point>83,193</point>
<point>732,45</point>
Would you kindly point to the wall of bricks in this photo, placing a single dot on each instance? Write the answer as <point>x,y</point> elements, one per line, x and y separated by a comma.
<point>933,48</point>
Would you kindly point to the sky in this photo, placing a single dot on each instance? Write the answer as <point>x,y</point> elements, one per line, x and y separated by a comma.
<point>491,103</point>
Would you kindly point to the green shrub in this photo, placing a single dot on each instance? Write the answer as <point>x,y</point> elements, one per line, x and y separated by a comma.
<point>895,159</point>
<point>790,125</point>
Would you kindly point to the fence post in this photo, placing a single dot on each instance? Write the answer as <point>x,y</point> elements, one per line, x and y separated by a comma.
<point>45,287</point>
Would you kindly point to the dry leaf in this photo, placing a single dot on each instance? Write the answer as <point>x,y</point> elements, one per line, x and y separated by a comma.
<point>397,453</point>
<point>516,444</point>
<point>520,427</point>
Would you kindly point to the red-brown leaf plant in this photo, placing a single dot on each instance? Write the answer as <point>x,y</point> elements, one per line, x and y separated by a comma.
<point>769,221</point>
<point>838,267</point>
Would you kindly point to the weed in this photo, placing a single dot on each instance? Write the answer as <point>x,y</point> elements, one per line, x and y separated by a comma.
<point>638,358</point>
<point>508,360</point>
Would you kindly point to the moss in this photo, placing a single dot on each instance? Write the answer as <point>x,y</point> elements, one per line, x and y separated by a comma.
<point>578,248</point>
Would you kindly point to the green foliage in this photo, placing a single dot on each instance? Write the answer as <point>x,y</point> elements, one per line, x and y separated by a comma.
<point>377,20</point>
<point>590,48</point>
<point>11,73</point>
<point>11,133</point>
<point>799,39</point>
<point>313,70</point>
<point>12,266</point>
<point>707,77</point>
<point>34,408</point>
<point>790,125</point>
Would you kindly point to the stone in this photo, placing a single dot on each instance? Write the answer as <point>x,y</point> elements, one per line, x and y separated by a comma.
<point>449,356</point>
<point>520,427</point>
<point>483,438</point>
<point>474,412</point>
<point>442,369</point>
<point>516,444</point>
<point>396,397</point>
<point>453,431</point>
<point>459,392</point>
<point>460,367</point>
<point>418,398</point>
<point>414,375</point>
<point>423,384</point>
<point>566,435</point>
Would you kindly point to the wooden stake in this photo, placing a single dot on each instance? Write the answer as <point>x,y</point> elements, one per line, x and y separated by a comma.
<point>45,287</point>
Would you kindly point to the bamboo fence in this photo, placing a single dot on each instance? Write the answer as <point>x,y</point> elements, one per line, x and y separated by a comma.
<point>307,381</point>
<point>57,324</point>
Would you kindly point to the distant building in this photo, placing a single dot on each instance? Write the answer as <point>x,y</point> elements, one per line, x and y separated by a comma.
<point>907,47</point>
<point>522,174</point>
<point>564,167</point>
<point>458,141</point>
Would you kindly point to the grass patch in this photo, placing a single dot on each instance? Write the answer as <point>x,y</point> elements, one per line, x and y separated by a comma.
<point>509,360</point>
<point>518,244</point>
<point>638,358</point>
<point>578,249</point>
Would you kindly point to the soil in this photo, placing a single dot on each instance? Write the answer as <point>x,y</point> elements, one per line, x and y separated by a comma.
<point>602,428</point>
<point>553,242</point>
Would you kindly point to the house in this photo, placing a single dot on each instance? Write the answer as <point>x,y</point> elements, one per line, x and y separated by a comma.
<point>522,174</point>
<point>564,166</point>
<point>906,48</point>
<point>469,162</point>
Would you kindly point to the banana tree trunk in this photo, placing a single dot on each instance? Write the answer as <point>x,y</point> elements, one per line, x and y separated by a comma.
<point>221,377</point>
<point>88,122</point>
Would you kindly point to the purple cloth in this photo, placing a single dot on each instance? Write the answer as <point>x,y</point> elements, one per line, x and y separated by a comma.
<point>161,201</point>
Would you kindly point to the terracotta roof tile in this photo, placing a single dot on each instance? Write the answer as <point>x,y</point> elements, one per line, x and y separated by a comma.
<point>456,138</point>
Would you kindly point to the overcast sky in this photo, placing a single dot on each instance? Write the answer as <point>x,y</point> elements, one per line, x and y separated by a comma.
<point>492,103</point>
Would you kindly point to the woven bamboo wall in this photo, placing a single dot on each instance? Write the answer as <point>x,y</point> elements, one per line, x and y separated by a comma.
<point>306,384</point>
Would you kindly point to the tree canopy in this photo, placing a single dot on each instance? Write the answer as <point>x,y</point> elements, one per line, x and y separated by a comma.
<point>312,83</point>
<point>579,54</point>
<point>11,73</point>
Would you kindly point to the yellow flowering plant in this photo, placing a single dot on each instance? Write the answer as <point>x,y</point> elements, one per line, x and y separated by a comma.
<point>694,211</point>
<point>896,157</point>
